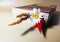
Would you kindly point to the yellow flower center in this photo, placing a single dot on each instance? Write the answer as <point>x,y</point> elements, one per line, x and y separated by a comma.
<point>36,15</point>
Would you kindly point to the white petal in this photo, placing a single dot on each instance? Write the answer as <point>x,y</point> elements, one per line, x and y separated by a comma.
<point>37,20</point>
<point>33,21</point>
<point>41,14</point>
<point>35,10</point>
<point>39,11</point>
<point>31,18</point>
<point>31,12</point>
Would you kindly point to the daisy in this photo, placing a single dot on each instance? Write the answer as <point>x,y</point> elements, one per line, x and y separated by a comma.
<point>36,15</point>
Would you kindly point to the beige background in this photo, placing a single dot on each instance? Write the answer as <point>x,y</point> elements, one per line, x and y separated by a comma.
<point>13,33</point>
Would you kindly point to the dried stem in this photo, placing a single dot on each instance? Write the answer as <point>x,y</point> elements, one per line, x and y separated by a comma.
<point>26,16</point>
<point>23,14</point>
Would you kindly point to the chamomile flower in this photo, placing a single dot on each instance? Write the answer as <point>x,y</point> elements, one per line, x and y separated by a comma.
<point>36,15</point>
